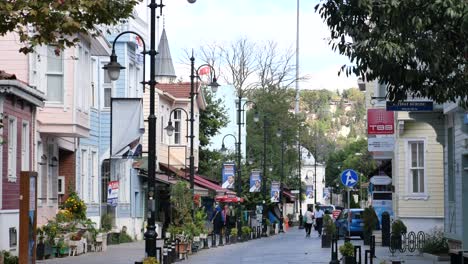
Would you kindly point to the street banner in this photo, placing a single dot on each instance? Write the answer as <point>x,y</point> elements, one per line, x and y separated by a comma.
<point>326,193</point>
<point>228,173</point>
<point>380,122</point>
<point>275,190</point>
<point>310,192</point>
<point>255,181</point>
<point>127,127</point>
<point>113,193</point>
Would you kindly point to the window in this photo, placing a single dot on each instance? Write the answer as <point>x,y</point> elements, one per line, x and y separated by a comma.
<point>416,168</point>
<point>50,173</point>
<point>13,237</point>
<point>54,75</point>
<point>177,122</point>
<point>94,178</point>
<point>12,148</point>
<point>82,77</point>
<point>450,165</point>
<point>25,158</point>
<point>93,94</point>
<point>107,88</point>
<point>84,174</point>
<point>131,81</point>
<point>61,185</point>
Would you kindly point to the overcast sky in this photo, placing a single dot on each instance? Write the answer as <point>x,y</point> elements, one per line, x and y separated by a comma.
<point>223,21</point>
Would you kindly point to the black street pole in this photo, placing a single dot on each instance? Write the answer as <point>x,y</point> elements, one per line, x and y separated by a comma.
<point>150,234</point>
<point>315,171</point>
<point>192,119</point>
<point>301,223</point>
<point>264,180</point>
<point>239,164</point>
<point>281,186</point>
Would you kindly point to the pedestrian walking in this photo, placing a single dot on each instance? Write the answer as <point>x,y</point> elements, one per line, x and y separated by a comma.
<point>218,220</point>
<point>319,220</point>
<point>309,220</point>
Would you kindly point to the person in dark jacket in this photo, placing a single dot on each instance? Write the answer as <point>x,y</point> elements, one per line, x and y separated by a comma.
<point>218,220</point>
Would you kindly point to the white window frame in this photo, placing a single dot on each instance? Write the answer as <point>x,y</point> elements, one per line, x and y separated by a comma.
<point>84,174</point>
<point>40,170</point>
<point>61,185</point>
<point>94,84</point>
<point>62,73</point>
<point>83,77</point>
<point>51,172</point>
<point>12,144</point>
<point>409,176</point>
<point>25,146</point>
<point>1,150</point>
<point>177,138</point>
<point>93,177</point>
<point>105,86</point>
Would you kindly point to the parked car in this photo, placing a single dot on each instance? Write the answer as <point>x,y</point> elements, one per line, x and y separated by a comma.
<point>327,209</point>
<point>356,225</point>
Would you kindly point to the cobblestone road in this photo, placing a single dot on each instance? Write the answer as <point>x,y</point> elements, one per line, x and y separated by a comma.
<point>288,248</point>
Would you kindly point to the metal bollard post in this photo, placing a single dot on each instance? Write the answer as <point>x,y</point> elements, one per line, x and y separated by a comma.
<point>205,243</point>
<point>221,240</point>
<point>334,251</point>
<point>367,256</point>
<point>165,255</point>
<point>213,240</point>
<point>173,251</point>
<point>356,249</point>
<point>372,246</point>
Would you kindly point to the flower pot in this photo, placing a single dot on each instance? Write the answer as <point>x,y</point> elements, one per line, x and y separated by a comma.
<point>181,247</point>
<point>40,250</point>
<point>326,241</point>
<point>348,260</point>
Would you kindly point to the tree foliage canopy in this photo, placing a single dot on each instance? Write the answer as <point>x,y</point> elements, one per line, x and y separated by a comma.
<point>416,47</point>
<point>39,22</point>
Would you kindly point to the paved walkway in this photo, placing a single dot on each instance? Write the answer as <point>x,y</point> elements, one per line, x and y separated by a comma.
<point>288,248</point>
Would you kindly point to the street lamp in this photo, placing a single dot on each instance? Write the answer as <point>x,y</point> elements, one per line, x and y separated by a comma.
<point>223,149</point>
<point>279,134</point>
<point>113,70</point>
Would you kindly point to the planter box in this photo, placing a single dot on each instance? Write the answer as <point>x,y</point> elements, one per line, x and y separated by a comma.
<point>348,260</point>
<point>436,258</point>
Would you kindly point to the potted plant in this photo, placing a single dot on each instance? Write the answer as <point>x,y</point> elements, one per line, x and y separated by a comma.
<point>233,236</point>
<point>245,233</point>
<point>370,221</point>
<point>150,260</point>
<point>329,231</point>
<point>40,249</point>
<point>347,251</point>
<point>398,228</point>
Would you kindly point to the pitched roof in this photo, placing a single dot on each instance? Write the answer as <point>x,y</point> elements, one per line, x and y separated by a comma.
<point>164,65</point>
<point>178,90</point>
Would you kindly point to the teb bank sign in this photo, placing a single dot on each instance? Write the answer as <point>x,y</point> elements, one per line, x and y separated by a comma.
<point>380,122</point>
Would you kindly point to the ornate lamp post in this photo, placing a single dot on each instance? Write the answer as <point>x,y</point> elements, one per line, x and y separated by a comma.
<point>193,92</point>
<point>279,134</point>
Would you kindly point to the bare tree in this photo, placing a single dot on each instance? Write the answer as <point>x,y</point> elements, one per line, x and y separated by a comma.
<point>274,68</point>
<point>239,58</point>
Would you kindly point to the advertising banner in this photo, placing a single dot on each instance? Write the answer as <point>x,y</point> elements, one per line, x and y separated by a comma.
<point>255,181</point>
<point>310,192</point>
<point>127,127</point>
<point>113,193</point>
<point>275,191</point>
<point>380,122</point>
<point>228,173</point>
<point>326,193</point>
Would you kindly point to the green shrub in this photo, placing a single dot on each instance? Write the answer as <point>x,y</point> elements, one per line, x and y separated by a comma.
<point>329,225</point>
<point>370,220</point>
<point>245,230</point>
<point>8,258</point>
<point>435,242</point>
<point>106,222</point>
<point>124,238</point>
<point>398,227</point>
<point>234,232</point>
<point>347,249</point>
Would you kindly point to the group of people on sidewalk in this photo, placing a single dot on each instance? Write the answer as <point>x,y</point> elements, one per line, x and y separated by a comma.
<point>313,219</point>
<point>223,218</point>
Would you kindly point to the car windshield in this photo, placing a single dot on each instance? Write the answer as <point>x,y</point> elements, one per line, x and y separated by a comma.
<point>356,214</point>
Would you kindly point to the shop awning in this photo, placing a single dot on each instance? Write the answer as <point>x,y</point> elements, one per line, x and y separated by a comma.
<point>289,196</point>
<point>228,199</point>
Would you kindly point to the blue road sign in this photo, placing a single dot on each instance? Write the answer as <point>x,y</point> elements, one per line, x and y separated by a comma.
<point>349,178</point>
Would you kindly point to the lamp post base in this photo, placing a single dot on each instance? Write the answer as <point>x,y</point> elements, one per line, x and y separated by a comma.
<point>301,222</point>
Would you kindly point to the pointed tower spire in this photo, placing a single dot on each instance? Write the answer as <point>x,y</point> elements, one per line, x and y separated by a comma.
<point>165,72</point>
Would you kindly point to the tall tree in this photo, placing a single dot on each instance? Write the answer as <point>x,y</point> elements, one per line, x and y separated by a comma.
<point>417,48</point>
<point>55,22</point>
<point>212,119</point>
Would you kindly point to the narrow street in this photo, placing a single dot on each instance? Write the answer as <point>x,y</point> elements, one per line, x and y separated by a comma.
<point>291,247</point>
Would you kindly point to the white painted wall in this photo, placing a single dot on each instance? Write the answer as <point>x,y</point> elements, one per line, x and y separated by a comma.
<point>8,219</point>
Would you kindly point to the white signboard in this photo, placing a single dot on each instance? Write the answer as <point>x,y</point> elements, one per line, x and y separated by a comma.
<point>381,144</point>
<point>295,191</point>
<point>113,193</point>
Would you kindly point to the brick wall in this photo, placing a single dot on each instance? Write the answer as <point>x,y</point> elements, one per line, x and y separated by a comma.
<point>22,110</point>
<point>67,168</point>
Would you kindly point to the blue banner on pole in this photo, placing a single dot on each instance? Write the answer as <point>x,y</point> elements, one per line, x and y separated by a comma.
<point>255,181</point>
<point>228,172</point>
<point>275,189</point>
